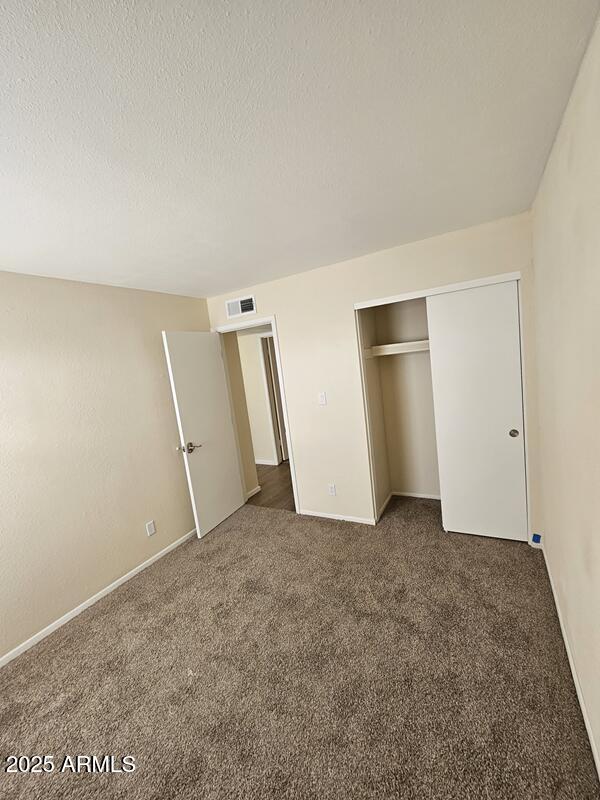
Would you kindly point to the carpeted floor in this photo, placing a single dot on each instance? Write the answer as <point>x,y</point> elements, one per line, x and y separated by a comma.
<point>293,657</point>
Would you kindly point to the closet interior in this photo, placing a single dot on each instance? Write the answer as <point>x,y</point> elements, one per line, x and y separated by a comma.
<point>394,342</point>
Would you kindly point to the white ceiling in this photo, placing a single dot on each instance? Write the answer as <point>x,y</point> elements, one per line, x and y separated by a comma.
<point>198,147</point>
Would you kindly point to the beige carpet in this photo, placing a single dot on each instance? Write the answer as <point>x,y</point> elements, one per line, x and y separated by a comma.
<point>292,657</point>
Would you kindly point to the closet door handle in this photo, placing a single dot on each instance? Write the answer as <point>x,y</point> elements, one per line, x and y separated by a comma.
<point>513,432</point>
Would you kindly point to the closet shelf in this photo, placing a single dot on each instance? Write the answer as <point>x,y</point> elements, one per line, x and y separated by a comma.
<point>397,347</point>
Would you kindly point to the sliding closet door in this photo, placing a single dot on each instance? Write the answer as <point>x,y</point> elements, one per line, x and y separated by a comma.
<point>477,394</point>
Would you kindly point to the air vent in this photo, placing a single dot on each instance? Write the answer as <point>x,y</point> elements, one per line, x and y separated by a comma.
<point>240,306</point>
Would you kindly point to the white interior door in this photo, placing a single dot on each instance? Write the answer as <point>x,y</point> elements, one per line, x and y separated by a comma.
<point>476,370</point>
<point>206,432</point>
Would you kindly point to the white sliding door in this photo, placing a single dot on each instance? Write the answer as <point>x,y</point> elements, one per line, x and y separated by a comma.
<point>476,371</point>
<point>206,434</point>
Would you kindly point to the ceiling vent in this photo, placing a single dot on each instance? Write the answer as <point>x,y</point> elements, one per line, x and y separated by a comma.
<point>240,307</point>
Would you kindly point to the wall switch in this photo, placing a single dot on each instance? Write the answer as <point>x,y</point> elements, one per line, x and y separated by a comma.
<point>322,398</point>
<point>150,528</point>
<point>331,489</point>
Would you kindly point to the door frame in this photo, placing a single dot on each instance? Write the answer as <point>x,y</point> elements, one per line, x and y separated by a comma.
<point>444,289</point>
<point>241,325</point>
<point>277,403</point>
<point>270,392</point>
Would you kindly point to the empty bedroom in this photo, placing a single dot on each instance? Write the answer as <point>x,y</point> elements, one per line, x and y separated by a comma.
<point>299,391</point>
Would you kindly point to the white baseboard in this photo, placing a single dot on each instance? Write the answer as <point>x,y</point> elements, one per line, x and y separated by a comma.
<point>344,517</point>
<point>252,492</point>
<point>417,494</point>
<point>267,462</point>
<point>586,719</point>
<point>37,637</point>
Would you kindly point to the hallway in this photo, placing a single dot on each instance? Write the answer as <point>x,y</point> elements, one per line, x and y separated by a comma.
<point>276,487</point>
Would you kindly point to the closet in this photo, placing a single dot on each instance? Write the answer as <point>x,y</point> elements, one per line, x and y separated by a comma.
<point>442,390</point>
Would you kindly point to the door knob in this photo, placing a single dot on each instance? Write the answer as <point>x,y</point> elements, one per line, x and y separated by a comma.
<point>514,432</point>
<point>188,448</point>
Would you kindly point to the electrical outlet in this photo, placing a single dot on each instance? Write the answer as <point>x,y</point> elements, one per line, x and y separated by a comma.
<point>322,398</point>
<point>151,528</point>
<point>331,489</point>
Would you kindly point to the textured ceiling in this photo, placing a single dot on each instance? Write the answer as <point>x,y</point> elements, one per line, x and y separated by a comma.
<point>197,147</point>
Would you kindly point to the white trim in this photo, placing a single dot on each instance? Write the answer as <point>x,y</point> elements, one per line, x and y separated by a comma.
<point>584,713</point>
<point>266,462</point>
<point>37,637</point>
<point>418,495</point>
<point>241,325</point>
<point>343,517</point>
<point>525,428</point>
<point>252,492</point>
<point>450,287</point>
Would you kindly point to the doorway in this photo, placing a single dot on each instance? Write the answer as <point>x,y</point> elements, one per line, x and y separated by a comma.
<point>257,394</point>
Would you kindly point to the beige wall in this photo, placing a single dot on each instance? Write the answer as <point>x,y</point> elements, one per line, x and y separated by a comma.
<point>88,433</point>
<point>566,237</point>
<point>408,400</point>
<point>239,408</point>
<point>409,423</point>
<point>259,408</point>
<point>317,335</point>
